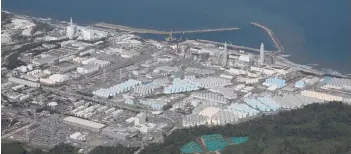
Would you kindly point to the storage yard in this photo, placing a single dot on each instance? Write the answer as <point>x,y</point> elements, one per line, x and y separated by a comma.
<point>118,88</point>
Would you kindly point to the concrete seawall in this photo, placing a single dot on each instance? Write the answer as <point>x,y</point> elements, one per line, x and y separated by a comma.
<point>149,31</point>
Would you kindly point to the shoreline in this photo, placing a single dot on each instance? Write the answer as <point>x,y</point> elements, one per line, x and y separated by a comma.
<point>273,38</point>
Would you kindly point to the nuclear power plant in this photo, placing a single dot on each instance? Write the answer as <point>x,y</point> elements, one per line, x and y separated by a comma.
<point>98,86</point>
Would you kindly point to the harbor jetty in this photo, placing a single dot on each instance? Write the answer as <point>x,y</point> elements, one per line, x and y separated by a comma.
<point>149,31</point>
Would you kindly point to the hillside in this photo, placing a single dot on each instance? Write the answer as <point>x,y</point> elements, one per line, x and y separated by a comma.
<point>317,128</point>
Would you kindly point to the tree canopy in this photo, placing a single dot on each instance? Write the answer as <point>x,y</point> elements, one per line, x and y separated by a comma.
<point>316,128</point>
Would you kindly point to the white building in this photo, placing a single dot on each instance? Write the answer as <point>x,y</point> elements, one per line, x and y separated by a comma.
<point>52,104</point>
<point>88,34</point>
<point>58,78</point>
<point>89,68</point>
<point>252,80</point>
<point>84,123</point>
<point>89,61</point>
<point>140,119</point>
<point>55,78</point>
<point>321,96</point>
<point>245,58</point>
<point>101,63</point>
<point>236,71</point>
<point>75,135</point>
<point>24,82</point>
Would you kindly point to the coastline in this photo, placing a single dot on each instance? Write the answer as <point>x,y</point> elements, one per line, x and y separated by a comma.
<point>277,45</point>
<point>92,88</point>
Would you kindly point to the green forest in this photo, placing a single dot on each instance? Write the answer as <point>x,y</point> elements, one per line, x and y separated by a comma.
<point>314,129</point>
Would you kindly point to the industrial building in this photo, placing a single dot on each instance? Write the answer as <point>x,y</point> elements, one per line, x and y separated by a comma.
<point>87,124</point>
<point>78,136</point>
<point>166,69</point>
<point>295,101</point>
<point>118,133</point>
<point>146,128</point>
<point>44,60</point>
<point>140,119</point>
<point>321,96</point>
<point>55,78</point>
<point>228,93</point>
<point>88,68</point>
<point>24,82</point>
<point>199,71</point>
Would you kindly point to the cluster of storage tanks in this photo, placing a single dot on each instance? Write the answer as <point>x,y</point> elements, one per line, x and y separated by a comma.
<point>208,82</point>
<point>228,93</point>
<point>278,83</point>
<point>233,112</point>
<point>212,116</point>
<point>143,90</point>
<point>338,83</point>
<point>179,85</point>
<point>212,97</point>
<point>223,117</point>
<point>194,120</point>
<point>246,110</point>
<point>117,89</point>
<point>265,104</point>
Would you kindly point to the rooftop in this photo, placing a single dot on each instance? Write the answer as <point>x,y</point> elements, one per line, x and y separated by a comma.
<point>84,122</point>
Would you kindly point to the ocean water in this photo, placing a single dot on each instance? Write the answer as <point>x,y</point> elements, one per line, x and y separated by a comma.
<point>312,32</point>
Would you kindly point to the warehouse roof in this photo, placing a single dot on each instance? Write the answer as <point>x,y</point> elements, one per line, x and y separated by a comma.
<point>84,122</point>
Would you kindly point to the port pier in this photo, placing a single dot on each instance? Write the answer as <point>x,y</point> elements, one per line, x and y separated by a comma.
<point>149,31</point>
<point>272,36</point>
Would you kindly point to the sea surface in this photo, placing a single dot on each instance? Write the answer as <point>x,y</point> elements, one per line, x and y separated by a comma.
<point>311,31</point>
